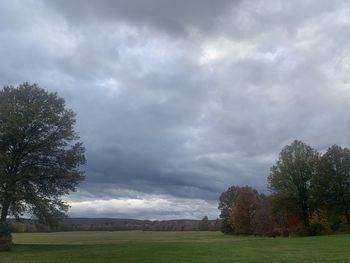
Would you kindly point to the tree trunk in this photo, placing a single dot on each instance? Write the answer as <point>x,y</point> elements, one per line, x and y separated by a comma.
<point>347,215</point>
<point>305,215</point>
<point>306,220</point>
<point>5,210</point>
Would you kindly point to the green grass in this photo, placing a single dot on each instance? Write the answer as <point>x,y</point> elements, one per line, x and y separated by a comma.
<point>166,247</point>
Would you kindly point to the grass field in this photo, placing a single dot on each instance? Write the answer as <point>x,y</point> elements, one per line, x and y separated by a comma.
<point>179,247</point>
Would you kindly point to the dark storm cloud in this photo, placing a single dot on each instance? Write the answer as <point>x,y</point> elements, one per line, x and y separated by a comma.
<point>177,100</point>
<point>174,17</point>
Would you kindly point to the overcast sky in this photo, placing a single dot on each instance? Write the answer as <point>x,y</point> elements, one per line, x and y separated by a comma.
<point>178,100</point>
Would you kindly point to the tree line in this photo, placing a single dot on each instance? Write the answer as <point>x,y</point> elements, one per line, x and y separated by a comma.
<point>309,195</point>
<point>121,225</point>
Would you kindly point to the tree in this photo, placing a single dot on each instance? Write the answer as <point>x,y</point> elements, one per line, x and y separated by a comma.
<point>5,237</point>
<point>204,225</point>
<point>264,223</point>
<point>40,154</point>
<point>243,213</point>
<point>291,176</point>
<point>331,185</point>
<point>284,212</point>
<point>226,201</point>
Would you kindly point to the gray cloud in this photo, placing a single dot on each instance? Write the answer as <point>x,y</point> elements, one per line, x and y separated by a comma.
<point>180,17</point>
<point>176,101</point>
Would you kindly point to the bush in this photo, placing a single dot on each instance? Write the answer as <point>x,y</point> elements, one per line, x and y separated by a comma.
<point>335,224</point>
<point>344,229</point>
<point>316,230</point>
<point>280,232</point>
<point>313,230</point>
<point>274,233</point>
<point>301,232</point>
<point>5,237</point>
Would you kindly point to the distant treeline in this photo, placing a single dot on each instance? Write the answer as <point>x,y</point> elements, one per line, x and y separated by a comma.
<point>310,195</point>
<point>100,224</point>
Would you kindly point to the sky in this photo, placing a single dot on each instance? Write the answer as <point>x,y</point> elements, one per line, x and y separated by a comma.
<point>178,100</point>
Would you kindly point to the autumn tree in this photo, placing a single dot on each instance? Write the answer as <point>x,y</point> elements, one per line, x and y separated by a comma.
<point>243,212</point>
<point>284,212</point>
<point>290,177</point>
<point>264,222</point>
<point>226,201</point>
<point>331,185</point>
<point>40,155</point>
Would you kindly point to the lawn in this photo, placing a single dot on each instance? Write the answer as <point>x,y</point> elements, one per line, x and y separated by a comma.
<point>179,247</point>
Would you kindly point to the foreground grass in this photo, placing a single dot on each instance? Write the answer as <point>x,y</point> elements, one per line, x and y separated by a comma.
<point>167,247</point>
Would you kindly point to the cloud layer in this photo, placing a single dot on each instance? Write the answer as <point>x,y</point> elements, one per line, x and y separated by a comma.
<point>178,100</point>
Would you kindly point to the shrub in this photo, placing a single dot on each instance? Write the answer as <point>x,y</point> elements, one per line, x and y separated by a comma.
<point>300,232</point>
<point>280,232</point>
<point>316,229</point>
<point>335,224</point>
<point>344,228</point>
<point>5,237</point>
<point>285,232</point>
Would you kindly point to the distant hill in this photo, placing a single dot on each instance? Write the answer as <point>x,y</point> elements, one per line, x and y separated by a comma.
<point>100,221</point>
<point>114,224</point>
